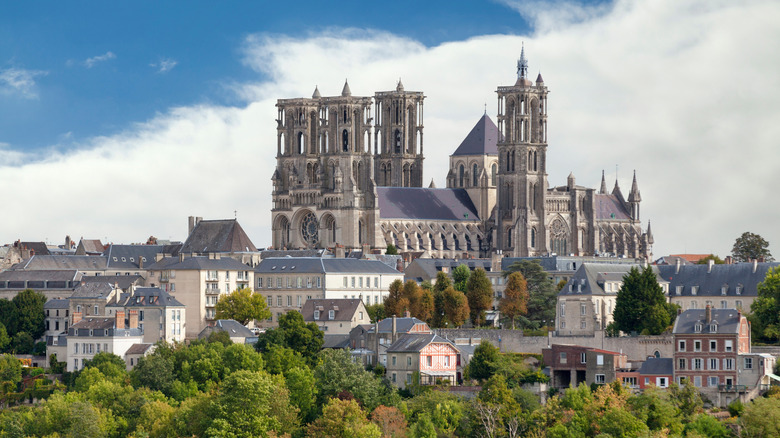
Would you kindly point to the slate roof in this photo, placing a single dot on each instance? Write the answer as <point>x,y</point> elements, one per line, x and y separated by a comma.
<point>56,303</point>
<point>267,253</point>
<point>42,275</point>
<point>123,281</point>
<point>38,248</point>
<point>199,263</point>
<point>150,297</point>
<point>232,327</point>
<point>101,324</point>
<point>319,265</point>
<point>139,349</point>
<point>481,140</point>
<point>414,343</point>
<point>93,290</point>
<point>609,208</point>
<point>90,246</point>
<point>590,278</point>
<point>218,236</point>
<point>130,256</point>
<point>344,309</point>
<point>711,282</point>
<point>402,325</point>
<point>335,341</point>
<point>62,262</point>
<point>657,366</point>
<point>419,203</point>
<point>432,267</point>
<point>727,319</point>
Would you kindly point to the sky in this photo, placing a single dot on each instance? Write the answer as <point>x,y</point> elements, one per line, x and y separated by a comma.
<point>120,120</point>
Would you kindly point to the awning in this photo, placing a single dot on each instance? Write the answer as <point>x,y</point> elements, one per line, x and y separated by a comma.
<point>773,376</point>
<point>425,373</point>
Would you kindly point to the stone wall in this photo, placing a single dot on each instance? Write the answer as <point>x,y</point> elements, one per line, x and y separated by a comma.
<point>635,347</point>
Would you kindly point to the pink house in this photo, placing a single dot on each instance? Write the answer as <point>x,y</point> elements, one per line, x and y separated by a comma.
<point>433,357</point>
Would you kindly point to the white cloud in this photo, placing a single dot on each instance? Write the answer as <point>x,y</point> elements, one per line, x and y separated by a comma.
<point>18,81</point>
<point>90,62</point>
<point>686,93</point>
<point>164,65</point>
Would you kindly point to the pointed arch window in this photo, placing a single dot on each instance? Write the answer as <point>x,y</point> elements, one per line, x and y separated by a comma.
<point>300,142</point>
<point>533,237</point>
<point>461,172</point>
<point>493,173</point>
<point>397,141</point>
<point>345,139</point>
<point>474,176</point>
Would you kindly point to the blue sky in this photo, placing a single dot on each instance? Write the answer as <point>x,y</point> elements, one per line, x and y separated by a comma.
<point>99,66</point>
<point>119,120</point>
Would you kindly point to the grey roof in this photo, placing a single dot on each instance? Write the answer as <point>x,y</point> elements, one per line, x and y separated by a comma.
<point>266,253</point>
<point>335,341</point>
<point>90,246</point>
<point>42,275</point>
<point>122,281</point>
<point>402,325</point>
<point>199,263</point>
<point>63,262</point>
<point>218,236</point>
<point>320,265</point>
<point>409,343</point>
<point>344,309</point>
<point>431,267</point>
<point>610,208</point>
<point>566,263</point>
<point>232,327</point>
<point>727,321</point>
<point>130,256</point>
<point>481,140</point>
<point>150,297</point>
<point>712,281</point>
<point>93,290</point>
<point>38,248</point>
<point>56,303</point>
<point>657,366</point>
<point>139,349</point>
<point>426,204</point>
<point>590,278</point>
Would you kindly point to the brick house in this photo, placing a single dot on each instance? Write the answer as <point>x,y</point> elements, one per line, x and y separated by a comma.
<point>657,371</point>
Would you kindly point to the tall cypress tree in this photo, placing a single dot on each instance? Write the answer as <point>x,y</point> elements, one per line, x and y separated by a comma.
<point>641,304</point>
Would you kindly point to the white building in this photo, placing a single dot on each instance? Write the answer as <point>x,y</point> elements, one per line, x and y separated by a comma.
<point>88,337</point>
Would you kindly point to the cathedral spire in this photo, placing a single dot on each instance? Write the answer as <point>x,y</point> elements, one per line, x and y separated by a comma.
<point>603,189</point>
<point>634,195</point>
<point>400,86</point>
<point>522,64</point>
<point>346,92</point>
<point>649,233</point>
<point>316,94</point>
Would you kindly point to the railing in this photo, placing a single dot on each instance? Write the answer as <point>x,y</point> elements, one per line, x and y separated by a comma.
<point>732,388</point>
<point>210,291</point>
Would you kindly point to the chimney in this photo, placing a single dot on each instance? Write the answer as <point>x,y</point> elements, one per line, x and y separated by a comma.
<point>707,314</point>
<point>366,249</point>
<point>710,262</point>
<point>120,320</point>
<point>755,265</point>
<point>495,262</point>
<point>76,317</point>
<point>399,266</point>
<point>376,341</point>
<point>340,252</point>
<point>181,256</point>
<point>159,256</point>
<point>395,327</point>
<point>133,319</point>
<point>677,266</point>
<point>140,262</point>
<point>407,314</point>
<point>190,224</point>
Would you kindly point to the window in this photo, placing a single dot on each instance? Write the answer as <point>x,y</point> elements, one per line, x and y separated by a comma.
<point>409,361</point>
<point>729,346</point>
<point>393,376</point>
<point>583,358</point>
<point>713,381</point>
<point>738,304</point>
<point>739,289</point>
<point>583,324</point>
<point>583,311</point>
<point>748,363</point>
<point>713,363</point>
<point>723,304</point>
<point>352,282</point>
<point>279,301</point>
<point>681,364</point>
<point>681,345</point>
<point>563,309</point>
<point>647,381</point>
<point>278,282</point>
<point>697,381</point>
<point>360,282</point>
<point>308,282</point>
<point>299,282</point>
<point>76,348</point>
<point>288,282</point>
<point>270,301</point>
<point>694,290</point>
<point>696,346</point>
<point>663,382</point>
<point>331,314</point>
<point>289,300</point>
<point>713,345</point>
<point>260,283</point>
<point>408,378</point>
<point>360,315</point>
<point>563,324</point>
<point>394,362</point>
<point>563,357</point>
<point>319,282</point>
<point>316,315</point>
<point>376,282</point>
<point>599,359</point>
<point>694,305</point>
<point>678,290</point>
<point>697,364</point>
<point>728,364</point>
<point>600,379</point>
<point>95,310</point>
<point>345,281</point>
<point>446,361</point>
<point>298,300</point>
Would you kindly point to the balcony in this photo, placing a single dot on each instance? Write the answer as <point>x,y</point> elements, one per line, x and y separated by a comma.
<point>212,291</point>
<point>732,388</point>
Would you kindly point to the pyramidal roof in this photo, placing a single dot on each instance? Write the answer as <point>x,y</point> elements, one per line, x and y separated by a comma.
<point>481,140</point>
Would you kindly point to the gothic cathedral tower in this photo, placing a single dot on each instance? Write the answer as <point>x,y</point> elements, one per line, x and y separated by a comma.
<point>520,227</point>
<point>399,138</point>
<point>323,191</point>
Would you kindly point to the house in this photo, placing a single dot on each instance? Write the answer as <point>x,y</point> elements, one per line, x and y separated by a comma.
<point>160,315</point>
<point>136,352</point>
<point>335,316</point>
<point>657,371</point>
<point>89,336</point>
<point>238,333</point>
<point>288,282</point>
<point>90,247</point>
<point>224,236</point>
<point>433,357</point>
<point>586,302</point>
<point>197,282</point>
<point>92,300</point>
<point>56,317</point>
<point>725,286</point>
<point>708,345</point>
<point>571,365</point>
<point>371,341</point>
<point>563,267</point>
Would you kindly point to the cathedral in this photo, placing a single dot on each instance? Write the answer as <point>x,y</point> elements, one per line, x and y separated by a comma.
<point>349,171</point>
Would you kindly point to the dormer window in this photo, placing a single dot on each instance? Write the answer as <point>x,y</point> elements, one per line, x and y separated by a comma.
<point>697,328</point>
<point>724,289</point>
<point>694,290</point>
<point>713,327</point>
<point>331,314</point>
<point>678,290</point>
<point>316,315</point>
<point>739,289</point>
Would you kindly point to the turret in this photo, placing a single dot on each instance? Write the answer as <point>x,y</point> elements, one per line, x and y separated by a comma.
<point>603,189</point>
<point>634,198</point>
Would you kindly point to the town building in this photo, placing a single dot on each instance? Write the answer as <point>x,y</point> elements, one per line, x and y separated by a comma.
<point>160,315</point>
<point>136,352</point>
<point>571,365</point>
<point>51,283</point>
<point>349,176</point>
<point>370,342</point>
<point>238,333</point>
<point>431,357</point>
<point>335,316</point>
<point>89,336</point>
<point>656,371</point>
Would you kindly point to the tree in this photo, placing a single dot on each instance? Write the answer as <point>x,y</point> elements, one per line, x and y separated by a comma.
<point>391,421</point>
<point>761,418</point>
<point>337,373</point>
<point>376,312</point>
<point>391,249</point>
<point>641,304</point>
<point>22,343</point>
<point>294,333</point>
<point>242,305</point>
<point>455,306</point>
<point>515,301</point>
<point>749,247</point>
<point>303,391</point>
<point>393,299</point>
<point>480,295</point>
<point>154,372</point>
<point>5,340</point>
<point>28,306</point>
<point>343,419</point>
<point>483,364</point>
<point>542,295</point>
<point>442,283</point>
<point>765,309</point>
<point>10,369</point>
<point>706,260</point>
<point>460,275</point>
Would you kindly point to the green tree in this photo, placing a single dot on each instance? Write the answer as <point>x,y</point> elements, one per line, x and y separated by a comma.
<point>8,316</point>
<point>5,340</point>
<point>22,343</point>
<point>443,281</point>
<point>515,300</point>
<point>110,365</point>
<point>456,306</point>
<point>28,306</point>
<point>761,418</point>
<point>391,250</point>
<point>303,391</point>
<point>376,312</point>
<point>542,295</point>
<point>155,372</point>
<point>641,304</point>
<point>480,295</point>
<point>337,373</point>
<point>392,302</point>
<point>460,275</point>
<point>10,369</point>
<point>749,247</point>
<point>482,365</point>
<point>293,332</point>
<point>706,260</point>
<point>242,305</point>
<point>238,357</point>
<point>708,426</point>
<point>343,419</point>
<point>423,427</point>
<point>765,309</point>
<point>279,359</point>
